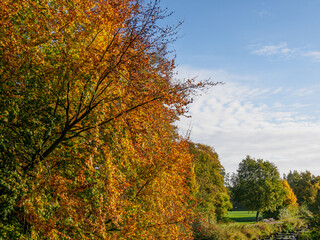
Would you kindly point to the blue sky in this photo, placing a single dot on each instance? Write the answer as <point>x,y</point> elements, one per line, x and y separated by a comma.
<point>268,54</point>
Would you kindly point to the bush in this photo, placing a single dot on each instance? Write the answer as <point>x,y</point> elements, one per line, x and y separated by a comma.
<point>314,226</point>
<point>226,220</point>
<point>312,235</point>
<point>288,227</point>
<point>303,211</point>
<point>265,229</point>
<point>281,213</point>
<point>205,231</point>
<point>214,231</point>
<point>286,213</point>
<point>291,225</point>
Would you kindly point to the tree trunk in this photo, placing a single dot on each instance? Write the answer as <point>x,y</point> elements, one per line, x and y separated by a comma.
<point>257,216</point>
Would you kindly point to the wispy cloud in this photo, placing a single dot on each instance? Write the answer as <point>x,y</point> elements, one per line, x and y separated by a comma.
<point>313,54</point>
<point>270,50</point>
<point>278,90</point>
<point>232,120</point>
<point>282,49</point>
<point>306,91</point>
<point>218,75</point>
<point>264,13</point>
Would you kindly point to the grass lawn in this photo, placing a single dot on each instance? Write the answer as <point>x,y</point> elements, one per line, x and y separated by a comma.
<point>243,216</point>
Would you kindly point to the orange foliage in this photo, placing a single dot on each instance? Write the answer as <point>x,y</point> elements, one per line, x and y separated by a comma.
<point>89,128</point>
<point>291,198</point>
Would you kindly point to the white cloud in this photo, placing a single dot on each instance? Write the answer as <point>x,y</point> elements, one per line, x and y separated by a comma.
<point>230,119</point>
<point>278,90</point>
<point>306,91</point>
<point>270,50</point>
<point>218,75</point>
<point>313,54</point>
<point>293,106</point>
<point>283,50</point>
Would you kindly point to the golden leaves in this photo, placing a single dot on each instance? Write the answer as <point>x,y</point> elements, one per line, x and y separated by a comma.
<point>290,198</point>
<point>89,126</point>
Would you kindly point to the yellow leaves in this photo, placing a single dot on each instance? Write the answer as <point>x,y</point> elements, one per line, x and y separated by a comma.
<point>146,172</point>
<point>291,198</point>
<point>96,97</point>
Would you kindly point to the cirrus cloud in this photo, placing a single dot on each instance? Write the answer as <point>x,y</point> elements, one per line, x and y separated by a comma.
<point>236,122</point>
<point>270,50</point>
<point>282,50</point>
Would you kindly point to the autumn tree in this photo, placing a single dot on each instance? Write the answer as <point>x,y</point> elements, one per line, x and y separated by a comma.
<point>257,185</point>
<point>287,207</point>
<point>214,200</point>
<point>305,186</point>
<point>290,199</point>
<point>87,103</point>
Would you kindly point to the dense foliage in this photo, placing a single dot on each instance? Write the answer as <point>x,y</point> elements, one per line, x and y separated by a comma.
<point>88,149</point>
<point>211,193</point>
<point>289,206</point>
<point>290,199</point>
<point>305,186</point>
<point>257,185</point>
<point>314,220</point>
<point>87,102</point>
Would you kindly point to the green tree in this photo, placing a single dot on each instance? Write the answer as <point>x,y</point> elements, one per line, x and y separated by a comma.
<point>289,203</point>
<point>214,200</point>
<point>305,186</point>
<point>257,185</point>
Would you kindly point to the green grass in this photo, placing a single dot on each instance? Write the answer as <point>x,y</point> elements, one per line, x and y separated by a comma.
<point>243,217</point>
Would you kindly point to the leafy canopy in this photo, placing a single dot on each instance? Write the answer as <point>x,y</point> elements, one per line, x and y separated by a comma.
<point>291,199</point>
<point>214,200</point>
<point>87,102</point>
<point>304,185</point>
<point>258,186</point>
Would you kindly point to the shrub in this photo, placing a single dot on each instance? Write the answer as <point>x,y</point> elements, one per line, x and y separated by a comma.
<point>312,235</point>
<point>303,211</point>
<point>226,220</point>
<point>288,227</point>
<point>286,213</point>
<point>265,229</point>
<point>281,213</point>
<point>314,226</point>
<point>205,231</point>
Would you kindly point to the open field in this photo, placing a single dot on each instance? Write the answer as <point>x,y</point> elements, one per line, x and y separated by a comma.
<point>243,216</point>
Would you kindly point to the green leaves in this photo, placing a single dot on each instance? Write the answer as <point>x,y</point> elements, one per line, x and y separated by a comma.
<point>209,189</point>
<point>304,185</point>
<point>258,186</point>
